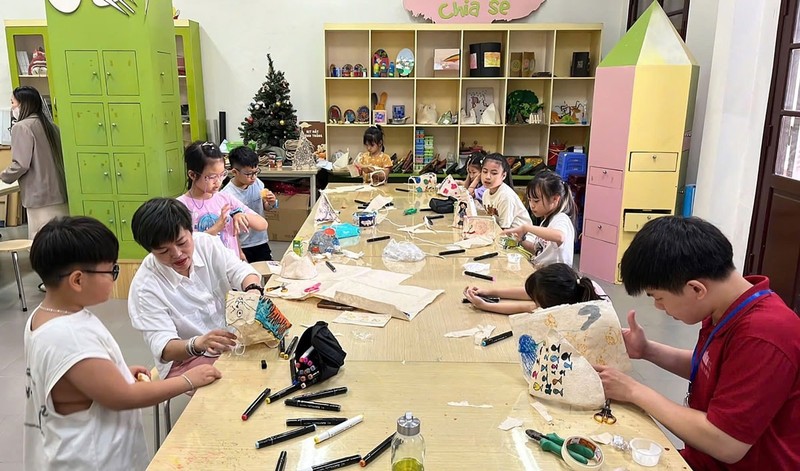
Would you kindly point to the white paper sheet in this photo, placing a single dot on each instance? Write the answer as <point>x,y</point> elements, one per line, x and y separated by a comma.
<point>467,404</point>
<point>367,319</point>
<point>348,189</point>
<point>378,202</point>
<point>477,333</point>
<point>510,423</point>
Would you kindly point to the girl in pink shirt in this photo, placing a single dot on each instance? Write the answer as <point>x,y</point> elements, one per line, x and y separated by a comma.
<point>214,212</point>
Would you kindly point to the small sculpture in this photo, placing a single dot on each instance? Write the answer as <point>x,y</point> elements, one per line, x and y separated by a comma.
<point>489,115</point>
<point>427,114</point>
<point>471,119</point>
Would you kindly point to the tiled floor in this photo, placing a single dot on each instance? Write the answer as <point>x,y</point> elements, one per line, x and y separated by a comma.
<point>12,320</point>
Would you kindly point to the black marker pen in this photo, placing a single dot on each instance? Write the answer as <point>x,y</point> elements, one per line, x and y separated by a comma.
<point>282,437</point>
<point>313,405</point>
<point>490,340</point>
<point>321,421</point>
<point>321,394</point>
<point>252,407</point>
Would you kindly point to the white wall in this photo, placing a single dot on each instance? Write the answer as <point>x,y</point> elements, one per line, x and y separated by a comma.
<point>741,71</point>
<point>700,40</point>
<point>237,34</point>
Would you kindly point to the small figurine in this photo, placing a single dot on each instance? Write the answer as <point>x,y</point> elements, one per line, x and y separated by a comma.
<point>38,65</point>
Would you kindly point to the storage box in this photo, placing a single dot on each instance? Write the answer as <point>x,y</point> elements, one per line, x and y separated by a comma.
<point>285,222</point>
<point>528,64</point>
<point>516,64</point>
<point>485,60</point>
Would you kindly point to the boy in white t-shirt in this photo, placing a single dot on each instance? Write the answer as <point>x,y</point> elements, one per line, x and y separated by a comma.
<point>82,399</point>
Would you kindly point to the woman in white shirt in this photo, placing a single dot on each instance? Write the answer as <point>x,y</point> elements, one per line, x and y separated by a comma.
<point>177,297</point>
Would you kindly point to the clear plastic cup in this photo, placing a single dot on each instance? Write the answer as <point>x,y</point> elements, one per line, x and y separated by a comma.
<point>645,452</point>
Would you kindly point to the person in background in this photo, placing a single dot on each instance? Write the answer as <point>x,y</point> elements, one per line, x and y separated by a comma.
<point>215,213</point>
<point>499,199</point>
<point>473,181</point>
<point>742,408</point>
<point>374,158</point>
<point>36,160</point>
<point>245,186</point>
<point>553,241</point>
<point>82,399</point>
<point>549,286</point>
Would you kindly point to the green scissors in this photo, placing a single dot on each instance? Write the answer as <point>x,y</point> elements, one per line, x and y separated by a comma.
<point>553,443</point>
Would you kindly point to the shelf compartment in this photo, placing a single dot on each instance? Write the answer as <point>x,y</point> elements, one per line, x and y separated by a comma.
<point>400,92</point>
<point>392,42</point>
<point>526,141</point>
<point>347,47</point>
<point>541,43</point>
<point>345,137</point>
<point>427,42</point>
<point>568,42</point>
<point>442,93</point>
<point>397,140</point>
<point>474,37</point>
<point>498,96</point>
<point>445,140</point>
<point>347,95</point>
<point>570,93</point>
<point>571,135</point>
<point>542,89</point>
<point>490,137</point>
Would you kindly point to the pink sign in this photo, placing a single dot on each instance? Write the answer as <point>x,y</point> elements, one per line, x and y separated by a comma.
<point>471,11</point>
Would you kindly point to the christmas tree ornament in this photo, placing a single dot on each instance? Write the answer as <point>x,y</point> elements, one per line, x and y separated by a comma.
<point>282,122</point>
<point>277,103</point>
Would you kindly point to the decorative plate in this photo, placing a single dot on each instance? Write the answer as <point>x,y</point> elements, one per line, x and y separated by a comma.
<point>334,114</point>
<point>362,115</point>
<point>404,63</point>
<point>350,116</point>
<point>380,63</point>
<point>358,70</point>
<point>347,70</point>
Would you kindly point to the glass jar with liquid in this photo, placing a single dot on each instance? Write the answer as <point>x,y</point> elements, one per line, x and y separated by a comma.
<point>408,446</point>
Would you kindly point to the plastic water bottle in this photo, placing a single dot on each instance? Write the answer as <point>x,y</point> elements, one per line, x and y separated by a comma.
<point>408,446</point>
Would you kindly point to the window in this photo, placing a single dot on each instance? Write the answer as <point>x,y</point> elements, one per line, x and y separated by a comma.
<point>677,11</point>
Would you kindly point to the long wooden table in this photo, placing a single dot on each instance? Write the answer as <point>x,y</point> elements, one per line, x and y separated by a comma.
<point>403,366</point>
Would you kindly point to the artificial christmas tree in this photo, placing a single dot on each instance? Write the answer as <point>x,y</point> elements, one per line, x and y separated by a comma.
<point>272,118</point>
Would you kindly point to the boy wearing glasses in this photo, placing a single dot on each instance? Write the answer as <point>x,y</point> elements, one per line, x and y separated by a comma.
<point>82,401</point>
<point>245,186</point>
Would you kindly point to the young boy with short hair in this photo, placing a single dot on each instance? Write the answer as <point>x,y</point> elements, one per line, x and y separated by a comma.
<point>249,189</point>
<point>744,374</point>
<point>82,399</point>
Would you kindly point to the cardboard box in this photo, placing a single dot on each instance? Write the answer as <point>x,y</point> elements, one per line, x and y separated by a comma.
<point>285,222</point>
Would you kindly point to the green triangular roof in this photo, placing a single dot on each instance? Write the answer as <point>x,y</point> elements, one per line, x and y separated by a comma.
<point>652,40</point>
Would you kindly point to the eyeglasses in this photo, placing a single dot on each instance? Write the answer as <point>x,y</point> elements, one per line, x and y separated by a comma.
<point>114,272</point>
<point>249,174</point>
<point>215,177</point>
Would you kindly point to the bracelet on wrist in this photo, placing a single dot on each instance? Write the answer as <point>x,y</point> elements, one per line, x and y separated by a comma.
<point>236,211</point>
<point>255,286</point>
<point>191,386</point>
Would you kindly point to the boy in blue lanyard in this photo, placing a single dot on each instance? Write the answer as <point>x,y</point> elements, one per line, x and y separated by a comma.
<point>743,405</point>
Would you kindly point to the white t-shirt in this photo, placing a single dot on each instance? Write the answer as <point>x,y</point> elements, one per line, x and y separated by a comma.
<point>250,197</point>
<point>506,207</point>
<point>93,439</point>
<point>165,305</point>
<point>549,252</point>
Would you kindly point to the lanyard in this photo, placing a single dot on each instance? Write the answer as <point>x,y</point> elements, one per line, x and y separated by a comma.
<point>696,358</point>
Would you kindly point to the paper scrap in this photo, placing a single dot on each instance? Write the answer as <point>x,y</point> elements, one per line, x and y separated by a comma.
<point>542,410</point>
<point>604,438</point>
<point>477,333</point>
<point>467,404</point>
<point>348,189</point>
<point>480,241</point>
<point>477,267</point>
<point>367,319</point>
<point>418,229</point>
<point>353,255</point>
<point>510,423</point>
<point>378,202</point>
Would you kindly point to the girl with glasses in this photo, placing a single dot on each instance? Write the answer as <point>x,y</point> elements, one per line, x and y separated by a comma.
<point>215,213</point>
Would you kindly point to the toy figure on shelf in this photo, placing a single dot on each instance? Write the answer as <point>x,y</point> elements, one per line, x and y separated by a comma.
<point>38,65</point>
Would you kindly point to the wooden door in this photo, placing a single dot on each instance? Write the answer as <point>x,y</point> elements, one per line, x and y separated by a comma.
<point>774,245</point>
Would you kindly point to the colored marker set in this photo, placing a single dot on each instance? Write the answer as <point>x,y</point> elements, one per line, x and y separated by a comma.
<point>305,371</point>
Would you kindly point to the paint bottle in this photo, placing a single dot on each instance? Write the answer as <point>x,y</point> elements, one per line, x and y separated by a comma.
<point>408,446</point>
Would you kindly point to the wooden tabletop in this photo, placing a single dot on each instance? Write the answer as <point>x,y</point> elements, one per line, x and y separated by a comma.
<point>404,366</point>
<point>287,172</point>
<point>211,435</point>
<point>421,339</point>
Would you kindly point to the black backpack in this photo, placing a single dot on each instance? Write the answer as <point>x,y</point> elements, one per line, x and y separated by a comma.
<point>327,355</point>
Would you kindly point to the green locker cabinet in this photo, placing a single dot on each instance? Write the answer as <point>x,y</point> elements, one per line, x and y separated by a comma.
<point>190,81</point>
<point>117,86</point>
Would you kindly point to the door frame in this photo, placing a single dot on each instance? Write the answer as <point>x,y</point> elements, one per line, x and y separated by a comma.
<point>771,136</point>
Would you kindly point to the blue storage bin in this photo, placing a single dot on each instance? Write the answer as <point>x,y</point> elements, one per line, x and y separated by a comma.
<point>571,163</point>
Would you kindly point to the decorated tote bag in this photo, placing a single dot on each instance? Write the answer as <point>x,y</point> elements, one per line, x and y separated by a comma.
<point>422,183</point>
<point>559,345</point>
<point>256,319</point>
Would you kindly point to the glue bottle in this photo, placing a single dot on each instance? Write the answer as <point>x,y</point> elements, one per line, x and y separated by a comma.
<point>408,446</point>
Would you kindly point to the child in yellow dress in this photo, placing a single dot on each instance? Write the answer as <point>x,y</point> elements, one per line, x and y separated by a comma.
<point>374,158</point>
